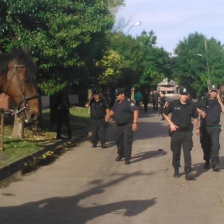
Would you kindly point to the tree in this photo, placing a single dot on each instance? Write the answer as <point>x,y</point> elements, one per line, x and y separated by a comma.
<point>57,33</point>
<point>199,60</point>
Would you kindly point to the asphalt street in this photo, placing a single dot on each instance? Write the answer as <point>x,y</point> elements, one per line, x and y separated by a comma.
<point>86,185</point>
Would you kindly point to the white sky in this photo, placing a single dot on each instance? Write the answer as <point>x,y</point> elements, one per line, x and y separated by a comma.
<point>174,20</point>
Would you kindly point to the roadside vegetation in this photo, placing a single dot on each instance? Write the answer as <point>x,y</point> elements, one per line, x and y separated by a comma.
<point>37,138</point>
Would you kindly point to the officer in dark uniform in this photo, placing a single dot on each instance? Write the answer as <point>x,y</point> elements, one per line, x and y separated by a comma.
<point>98,110</point>
<point>181,130</point>
<point>210,110</point>
<point>125,114</point>
<point>62,106</point>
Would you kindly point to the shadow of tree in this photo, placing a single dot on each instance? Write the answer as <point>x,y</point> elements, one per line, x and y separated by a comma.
<point>67,210</point>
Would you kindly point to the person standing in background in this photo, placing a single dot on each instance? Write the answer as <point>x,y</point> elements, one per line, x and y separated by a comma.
<point>99,115</point>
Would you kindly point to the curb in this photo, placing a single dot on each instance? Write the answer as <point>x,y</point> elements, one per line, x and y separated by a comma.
<point>14,167</point>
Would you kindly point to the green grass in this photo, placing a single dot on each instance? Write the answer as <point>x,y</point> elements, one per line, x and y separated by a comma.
<point>15,149</point>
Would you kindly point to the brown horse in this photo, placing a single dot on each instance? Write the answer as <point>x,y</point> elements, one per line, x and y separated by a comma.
<point>18,80</point>
<point>221,92</point>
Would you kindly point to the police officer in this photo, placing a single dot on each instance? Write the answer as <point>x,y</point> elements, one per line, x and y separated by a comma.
<point>62,105</point>
<point>181,130</point>
<point>98,110</point>
<point>125,114</point>
<point>210,110</point>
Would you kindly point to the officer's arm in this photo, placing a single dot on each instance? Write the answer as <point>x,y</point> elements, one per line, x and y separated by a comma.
<point>88,102</point>
<point>196,124</point>
<point>135,120</point>
<point>173,127</point>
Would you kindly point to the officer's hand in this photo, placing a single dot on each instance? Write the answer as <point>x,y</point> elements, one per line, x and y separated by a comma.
<point>173,127</point>
<point>134,127</point>
<point>197,131</point>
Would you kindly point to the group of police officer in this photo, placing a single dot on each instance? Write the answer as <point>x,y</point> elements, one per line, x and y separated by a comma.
<point>125,114</point>
<point>183,110</point>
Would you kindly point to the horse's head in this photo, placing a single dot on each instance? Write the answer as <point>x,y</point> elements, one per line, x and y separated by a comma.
<point>221,93</point>
<point>20,84</point>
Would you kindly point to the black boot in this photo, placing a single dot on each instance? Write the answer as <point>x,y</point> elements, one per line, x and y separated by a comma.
<point>176,173</point>
<point>189,175</point>
<point>207,164</point>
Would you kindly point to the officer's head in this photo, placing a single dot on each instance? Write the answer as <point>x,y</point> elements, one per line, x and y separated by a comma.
<point>184,94</point>
<point>96,93</point>
<point>120,93</point>
<point>213,91</point>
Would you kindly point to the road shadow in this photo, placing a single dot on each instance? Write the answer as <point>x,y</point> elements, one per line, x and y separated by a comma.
<point>66,210</point>
<point>147,155</point>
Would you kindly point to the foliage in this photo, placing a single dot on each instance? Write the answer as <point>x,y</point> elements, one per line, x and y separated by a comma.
<point>111,68</point>
<point>198,61</point>
<point>61,35</point>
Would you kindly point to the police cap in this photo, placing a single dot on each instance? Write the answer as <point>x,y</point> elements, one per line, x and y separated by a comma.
<point>119,91</point>
<point>213,88</point>
<point>96,91</point>
<point>183,91</point>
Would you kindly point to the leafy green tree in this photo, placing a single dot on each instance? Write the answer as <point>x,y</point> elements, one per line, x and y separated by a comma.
<point>63,36</point>
<point>199,62</point>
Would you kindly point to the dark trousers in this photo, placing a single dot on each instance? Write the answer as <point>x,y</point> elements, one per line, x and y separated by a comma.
<point>98,130</point>
<point>124,138</point>
<point>179,139</point>
<point>210,143</point>
<point>155,105</point>
<point>63,118</point>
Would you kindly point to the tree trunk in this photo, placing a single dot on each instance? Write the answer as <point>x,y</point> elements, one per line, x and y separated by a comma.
<point>18,128</point>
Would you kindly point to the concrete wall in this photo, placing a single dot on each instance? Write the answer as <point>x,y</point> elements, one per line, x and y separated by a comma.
<point>74,100</point>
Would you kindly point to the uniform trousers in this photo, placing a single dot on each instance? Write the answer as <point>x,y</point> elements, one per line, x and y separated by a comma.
<point>178,139</point>
<point>98,130</point>
<point>63,117</point>
<point>210,143</point>
<point>124,138</point>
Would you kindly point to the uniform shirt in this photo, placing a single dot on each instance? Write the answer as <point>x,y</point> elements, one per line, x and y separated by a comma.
<point>181,113</point>
<point>123,112</point>
<point>212,109</point>
<point>98,109</point>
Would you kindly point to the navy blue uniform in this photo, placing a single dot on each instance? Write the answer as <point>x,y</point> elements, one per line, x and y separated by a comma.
<point>210,130</point>
<point>98,125</point>
<point>181,116</point>
<point>123,116</point>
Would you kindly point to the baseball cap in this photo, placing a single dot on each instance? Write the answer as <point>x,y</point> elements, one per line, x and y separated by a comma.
<point>183,91</point>
<point>119,91</point>
<point>213,88</point>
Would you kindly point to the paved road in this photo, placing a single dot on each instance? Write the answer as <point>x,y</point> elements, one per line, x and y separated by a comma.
<point>86,185</point>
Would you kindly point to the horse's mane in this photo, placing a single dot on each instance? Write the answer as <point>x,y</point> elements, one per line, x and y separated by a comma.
<point>21,57</point>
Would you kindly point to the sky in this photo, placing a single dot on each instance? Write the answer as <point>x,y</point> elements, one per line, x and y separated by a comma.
<point>173,20</point>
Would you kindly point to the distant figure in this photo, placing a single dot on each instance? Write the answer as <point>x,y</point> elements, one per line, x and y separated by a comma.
<point>163,103</point>
<point>138,98</point>
<point>62,106</point>
<point>145,100</point>
<point>98,111</point>
<point>155,99</point>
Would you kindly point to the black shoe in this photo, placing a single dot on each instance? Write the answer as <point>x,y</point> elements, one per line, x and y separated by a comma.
<point>94,146</point>
<point>127,161</point>
<point>103,146</point>
<point>189,175</point>
<point>216,167</point>
<point>118,158</point>
<point>176,173</point>
<point>207,165</point>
